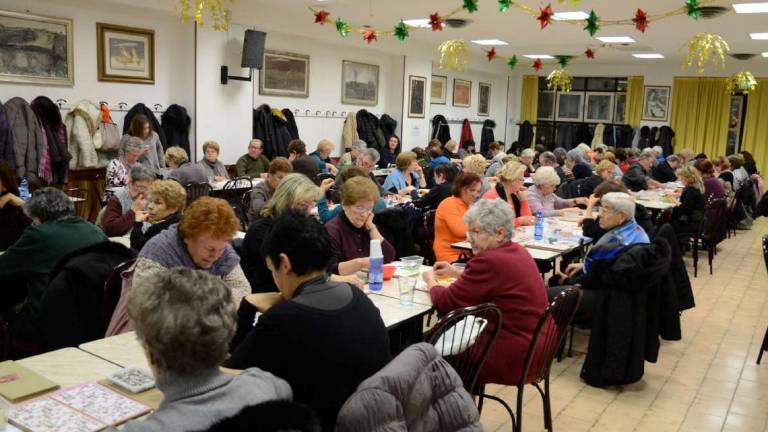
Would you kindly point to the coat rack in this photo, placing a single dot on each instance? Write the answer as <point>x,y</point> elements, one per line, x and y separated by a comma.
<point>322,114</point>
<point>121,106</point>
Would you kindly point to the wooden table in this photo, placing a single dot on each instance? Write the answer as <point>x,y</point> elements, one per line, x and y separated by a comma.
<point>123,350</point>
<point>70,366</point>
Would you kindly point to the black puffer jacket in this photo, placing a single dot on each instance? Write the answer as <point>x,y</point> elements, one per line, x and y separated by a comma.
<point>272,131</point>
<point>388,126</point>
<point>682,282</point>
<point>440,129</point>
<point>525,135</point>
<point>666,134</point>
<point>56,134</point>
<point>369,130</point>
<point>293,129</point>
<point>140,108</point>
<point>486,137</point>
<point>645,137</point>
<point>176,125</point>
<point>7,153</point>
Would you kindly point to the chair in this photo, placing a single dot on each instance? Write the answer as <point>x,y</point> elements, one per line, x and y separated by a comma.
<point>711,233</point>
<point>474,329</point>
<point>664,217</point>
<point>113,287</point>
<point>764,346</point>
<point>244,208</point>
<point>197,190</point>
<point>547,338</point>
<point>238,183</point>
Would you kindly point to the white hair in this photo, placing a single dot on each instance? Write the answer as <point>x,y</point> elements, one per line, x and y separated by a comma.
<point>657,149</point>
<point>648,154</point>
<point>359,144</point>
<point>620,202</point>
<point>527,152</point>
<point>546,175</point>
<point>491,215</point>
<point>584,149</point>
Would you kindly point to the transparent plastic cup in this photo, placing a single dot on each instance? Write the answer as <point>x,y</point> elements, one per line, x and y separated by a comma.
<point>406,286</point>
<point>412,264</point>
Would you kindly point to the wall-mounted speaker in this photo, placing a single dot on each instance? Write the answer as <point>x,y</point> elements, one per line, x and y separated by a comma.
<point>253,49</point>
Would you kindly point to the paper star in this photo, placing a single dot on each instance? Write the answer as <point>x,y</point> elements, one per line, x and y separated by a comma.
<point>321,17</point>
<point>641,20</point>
<point>436,21</point>
<point>589,53</point>
<point>342,27</point>
<point>369,36</point>
<point>545,17</point>
<point>491,54</point>
<point>470,6</point>
<point>592,23</point>
<point>563,60</point>
<point>538,64</point>
<point>401,31</point>
<point>504,5</point>
<point>693,9</point>
<point>512,62</point>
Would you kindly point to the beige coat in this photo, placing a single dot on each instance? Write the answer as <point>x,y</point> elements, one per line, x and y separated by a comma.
<point>349,134</point>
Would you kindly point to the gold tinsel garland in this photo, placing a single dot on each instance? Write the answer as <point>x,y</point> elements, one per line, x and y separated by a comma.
<point>453,54</point>
<point>560,79</point>
<point>216,8</point>
<point>744,82</point>
<point>705,47</point>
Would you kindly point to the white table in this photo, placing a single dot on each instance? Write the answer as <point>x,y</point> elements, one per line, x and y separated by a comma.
<point>123,350</point>
<point>539,254</point>
<point>382,172</point>
<point>392,313</point>
<point>69,366</point>
<point>657,199</point>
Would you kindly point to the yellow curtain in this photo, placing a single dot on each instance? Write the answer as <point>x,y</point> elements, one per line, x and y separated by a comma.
<point>633,111</point>
<point>756,125</point>
<point>529,105</point>
<point>700,109</point>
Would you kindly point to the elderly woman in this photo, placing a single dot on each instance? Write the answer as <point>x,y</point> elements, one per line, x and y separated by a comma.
<point>638,177</point>
<point>740,175</point>
<point>664,171</point>
<point>687,216</point>
<point>181,169</point>
<point>119,168</point>
<point>211,164</point>
<point>326,213</point>
<point>444,176</point>
<point>476,164</point>
<point>510,188</point>
<point>350,158</point>
<point>407,177</point>
<point>526,158</point>
<point>353,229</point>
<point>152,147</point>
<point>26,266</point>
<point>263,191</point>
<point>184,320</point>
<point>591,224</point>
<point>390,153</point>
<point>541,196</point>
<point>549,159</point>
<point>577,164</point>
<point>605,171</point>
<point>13,221</point>
<point>449,217</point>
<point>713,186</point>
<point>497,154</point>
<point>500,272</point>
<point>723,171</point>
<point>450,148</point>
<point>436,157</point>
<point>322,157</point>
<point>127,202</point>
<point>167,199</point>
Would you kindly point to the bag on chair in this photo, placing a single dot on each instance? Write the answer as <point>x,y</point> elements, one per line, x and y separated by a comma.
<point>110,134</point>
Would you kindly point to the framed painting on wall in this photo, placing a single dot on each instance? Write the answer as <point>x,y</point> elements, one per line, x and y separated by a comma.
<point>125,54</point>
<point>359,83</point>
<point>484,99</point>
<point>416,96</point>
<point>284,74</point>
<point>656,103</point>
<point>619,115</point>
<point>36,49</point>
<point>570,107</point>
<point>462,93</point>
<point>438,90</point>
<point>546,106</point>
<point>599,107</point>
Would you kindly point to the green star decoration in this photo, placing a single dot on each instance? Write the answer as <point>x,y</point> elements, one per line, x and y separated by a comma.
<point>563,61</point>
<point>504,5</point>
<point>470,6</point>
<point>512,62</point>
<point>401,31</point>
<point>693,9</point>
<point>592,23</point>
<point>342,27</point>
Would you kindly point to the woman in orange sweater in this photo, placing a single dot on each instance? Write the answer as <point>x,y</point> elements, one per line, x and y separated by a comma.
<point>511,188</point>
<point>449,218</point>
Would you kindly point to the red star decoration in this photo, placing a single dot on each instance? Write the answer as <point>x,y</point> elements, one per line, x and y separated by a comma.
<point>589,53</point>
<point>369,36</point>
<point>641,20</point>
<point>491,54</point>
<point>321,17</point>
<point>435,21</point>
<point>538,64</point>
<point>545,17</point>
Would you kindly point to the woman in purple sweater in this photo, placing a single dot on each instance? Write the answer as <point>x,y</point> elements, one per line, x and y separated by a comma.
<point>713,186</point>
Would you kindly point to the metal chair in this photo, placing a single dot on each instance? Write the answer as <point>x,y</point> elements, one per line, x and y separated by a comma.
<point>764,346</point>
<point>113,287</point>
<point>244,208</point>
<point>547,338</point>
<point>238,183</point>
<point>197,190</point>
<point>711,233</point>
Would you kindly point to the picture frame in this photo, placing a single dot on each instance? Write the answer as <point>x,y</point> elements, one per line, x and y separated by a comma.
<point>570,107</point>
<point>359,83</point>
<point>125,54</point>
<point>598,107</point>
<point>417,87</point>
<point>546,105</point>
<point>656,103</point>
<point>619,114</point>
<point>484,99</point>
<point>462,93</point>
<point>284,74</point>
<point>438,90</point>
<point>47,58</point>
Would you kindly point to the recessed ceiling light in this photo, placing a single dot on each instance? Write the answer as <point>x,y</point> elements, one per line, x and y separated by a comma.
<point>747,8</point>
<point>570,16</point>
<point>759,36</point>
<point>615,39</point>
<point>648,56</point>
<point>765,54</point>
<point>539,56</point>
<point>417,22</point>
<point>489,42</point>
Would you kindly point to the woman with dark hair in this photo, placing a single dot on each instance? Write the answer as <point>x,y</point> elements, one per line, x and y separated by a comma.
<point>749,162</point>
<point>713,186</point>
<point>449,218</point>
<point>444,176</point>
<point>13,221</point>
<point>390,152</point>
<point>153,148</point>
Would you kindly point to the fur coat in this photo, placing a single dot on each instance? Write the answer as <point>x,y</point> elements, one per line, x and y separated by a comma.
<point>82,122</point>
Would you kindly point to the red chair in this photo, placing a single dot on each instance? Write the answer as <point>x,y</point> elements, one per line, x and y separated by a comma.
<point>711,233</point>
<point>764,346</point>
<point>547,338</point>
<point>113,288</point>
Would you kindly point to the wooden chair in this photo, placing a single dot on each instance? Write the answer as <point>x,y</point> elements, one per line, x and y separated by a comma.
<point>197,190</point>
<point>712,231</point>
<point>664,217</point>
<point>113,288</point>
<point>764,346</point>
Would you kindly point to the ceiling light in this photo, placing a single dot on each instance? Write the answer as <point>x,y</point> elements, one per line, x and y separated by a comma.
<point>765,54</point>
<point>539,56</point>
<point>418,22</point>
<point>648,56</point>
<point>570,16</point>
<point>489,42</point>
<point>747,8</point>
<point>615,39</point>
<point>759,36</point>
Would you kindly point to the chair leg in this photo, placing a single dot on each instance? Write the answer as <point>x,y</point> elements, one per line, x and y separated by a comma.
<point>547,405</point>
<point>763,347</point>
<point>695,257</point>
<point>710,256</point>
<point>570,341</point>
<point>506,407</point>
<point>520,408</point>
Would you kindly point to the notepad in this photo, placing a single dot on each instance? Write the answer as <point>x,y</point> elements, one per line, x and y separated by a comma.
<point>18,382</point>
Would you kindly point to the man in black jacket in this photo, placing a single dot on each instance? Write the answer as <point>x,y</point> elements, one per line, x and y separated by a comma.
<point>636,178</point>
<point>664,172</point>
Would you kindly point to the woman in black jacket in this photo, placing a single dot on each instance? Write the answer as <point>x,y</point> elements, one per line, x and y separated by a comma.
<point>687,216</point>
<point>167,199</point>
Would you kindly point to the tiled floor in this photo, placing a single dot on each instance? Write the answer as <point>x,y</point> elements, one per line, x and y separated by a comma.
<point>707,382</point>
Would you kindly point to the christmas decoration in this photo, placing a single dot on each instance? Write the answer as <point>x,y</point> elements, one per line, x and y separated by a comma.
<point>470,6</point>
<point>512,62</point>
<point>560,80</point>
<point>436,21</point>
<point>563,61</point>
<point>491,54</point>
<point>592,23</point>
<point>369,36</point>
<point>641,20</point>
<point>401,31</point>
<point>216,8</point>
<point>453,54</point>
<point>538,64</point>
<point>693,9</point>
<point>743,82</point>
<point>705,47</point>
<point>321,17</point>
<point>545,17</point>
<point>589,53</point>
<point>342,27</point>
<point>504,5</point>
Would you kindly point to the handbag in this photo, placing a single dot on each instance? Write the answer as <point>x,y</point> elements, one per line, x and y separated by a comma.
<point>110,134</point>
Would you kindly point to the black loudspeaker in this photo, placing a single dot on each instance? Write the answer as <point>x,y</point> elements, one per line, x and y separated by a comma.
<point>253,49</point>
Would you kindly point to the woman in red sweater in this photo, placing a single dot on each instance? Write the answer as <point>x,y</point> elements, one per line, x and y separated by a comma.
<point>514,192</point>
<point>501,272</point>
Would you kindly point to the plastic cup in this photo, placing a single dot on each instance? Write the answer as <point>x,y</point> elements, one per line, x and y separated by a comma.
<point>412,264</point>
<point>406,285</point>
<point>459,266</point>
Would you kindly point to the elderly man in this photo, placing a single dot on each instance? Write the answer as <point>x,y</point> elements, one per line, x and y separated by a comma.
<point>127,202</point>
<point>254,163</point>
<point>548,159</point>
<point>664,172</point>
<point>637,176</point>
<point>350,158</point>
<point>367,162</point>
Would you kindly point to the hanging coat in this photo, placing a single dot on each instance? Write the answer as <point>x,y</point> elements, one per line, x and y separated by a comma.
<point>176,126</point>
<point>440,129</point>
<point>27,137</point>
<point>388,127</point>
<point>7,152</point>
<point>645,138</point>
<point>525,135</point>
<point>272,131</point>
<point>82,122</point>
<point>654,135</point>
<point>56,134</point>
<point>466,134</point>
<point>349,133</point>
<point>598,135</point>
<point>666,134</point>
<point>369,130</point>
<point>140,108</point>
<point>293,129</point>
<point>486,137</point>
<point>626,133</point>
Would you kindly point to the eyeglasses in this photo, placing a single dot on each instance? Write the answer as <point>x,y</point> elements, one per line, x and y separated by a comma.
<point>360,210</point>
<point>475,234</point>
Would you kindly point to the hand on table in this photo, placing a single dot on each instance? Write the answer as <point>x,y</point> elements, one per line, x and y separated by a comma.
<point>264,301</point>
<point>362,263</point>
<point>581,200</point>
<point>442,268</point>
<point>219,178</point>
<point>407,190</point>
<point>264,175</point>
<point>429,278</point>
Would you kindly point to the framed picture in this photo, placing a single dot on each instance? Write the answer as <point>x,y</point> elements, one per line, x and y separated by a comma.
<point>359,83</point>
<point>438,90</point>
<point>36,49</point>
<point>416,96</point>
<point>484,99</point>
<point>462,92</point>
<point>284,74</point>
<point>621,107</point>
<point>570,107</point>
<point>599,107</point>
<point>736,113</point>
<point>656,103</point>
<point>126,54</point>
<point>546,106</point>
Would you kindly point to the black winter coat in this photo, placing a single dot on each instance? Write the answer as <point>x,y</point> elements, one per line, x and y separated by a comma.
<point>663,173</point>
<point>626,134</point>
<point>486,137</point>
<point>369,130</point>
<point>176,125</point>
<point>682,282</point>
<point>56,134</point>
<point>666,134</point>
<point>140,108</point>
<point>293,129</point>
<point>525,135</point>
<point>272,131</point>
<point>440,129</point>
<point>388,127</point>
<point>645,137</point>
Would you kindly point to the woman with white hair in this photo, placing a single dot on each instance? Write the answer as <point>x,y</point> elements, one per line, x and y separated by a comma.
<point>350,158</point>
<point>119,168</point>
<point>526,158</point>
<point>541,196</point>
<point>577,163</point>
<point>501,272</point>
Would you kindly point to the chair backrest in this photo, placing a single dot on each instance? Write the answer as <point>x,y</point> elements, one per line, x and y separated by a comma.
<point>714,220</point>
<point>548,335</point>
<point>664,217</point>
<point>113,287</point>
<point>464,337</point>
<point>197,190</point>
<point>765,251</point>
<point>245,207</point>
<point>239,183</point>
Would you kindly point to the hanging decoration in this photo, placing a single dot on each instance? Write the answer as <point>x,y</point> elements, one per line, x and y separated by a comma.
<point>693,9</point>
<point>538,64</point>
<point>369,36</point>
<point>592,23</point>
<point>342,27</point>
<point>321,17</point>
<point>504,5</point>
<point>401,31</point>
<point>705,47</point>
<point>491,54</point>
<point>641,20</point>
<point>560,80</point>
<point>512,62</point>
<point>453,55</point>
<point>436,21</point>
<point>573,2</point>
<point>563,61</point>
<point>470,6</point>
<point>545,17</point>
<point>743,82</point>
<point>217,9</point>
<point>589,54</point>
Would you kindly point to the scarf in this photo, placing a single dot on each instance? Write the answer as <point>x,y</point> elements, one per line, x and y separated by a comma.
<point>169,250</point>
<point>614,241</point>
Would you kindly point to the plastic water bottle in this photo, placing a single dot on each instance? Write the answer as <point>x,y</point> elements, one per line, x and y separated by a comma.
<point>375,267</point>
<point>538,230</point>
<point>24,189</point>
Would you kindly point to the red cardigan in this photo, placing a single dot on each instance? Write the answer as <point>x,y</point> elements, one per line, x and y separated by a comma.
<point>506,276</point>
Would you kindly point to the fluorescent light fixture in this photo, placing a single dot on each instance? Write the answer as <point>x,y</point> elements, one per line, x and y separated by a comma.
<point>615,39</point>
<point>748,8</point>
<point>759,36</point>
<point>539,56</point>
<point>489,42</point>
<point>765,54</point>
<point>648,56</point>
<point>417,22</point>
<point>570,16</point>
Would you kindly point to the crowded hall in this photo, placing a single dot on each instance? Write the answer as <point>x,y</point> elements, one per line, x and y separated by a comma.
<point>361,216</point>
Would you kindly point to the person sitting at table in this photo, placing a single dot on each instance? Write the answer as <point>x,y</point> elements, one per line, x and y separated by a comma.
<point>352,230</point>
<point>407,178</point>
<point>497,154</point>
<point>26,266</point>
<point>211,164</point>
<point>542,197</point>
<point>526,159</point>
<point>501,272</point>
<point>152,148</point>
<point>449,217</point>
<point>511,189</point>
<point>127,202</point>
<point>605,171</point>
<point>301,162</point>
<point>723,171</point>
<point>637,176</point>
<point>664,171</point>
<point>181,169</point>
<point>184,320</point>
<point>325,213</point>
<point>687,216</point>
<point>549,159</point>
<point>13,221</point>
<point>444,176</point>
<point>322,157</point>
<point>713,186</point>
<point>253,164</point>
<point>590,225</point>
<point>390,152</point>
<point>476,164</point>
<point>436,157</point>
<point>321,336</point>
<point>449,150</point>
<point>119,168</point>
<point>738,171</point>
<point>166,201</point>
<point>577,164</point>
<point>350,158</point>
<point>263,191</point>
